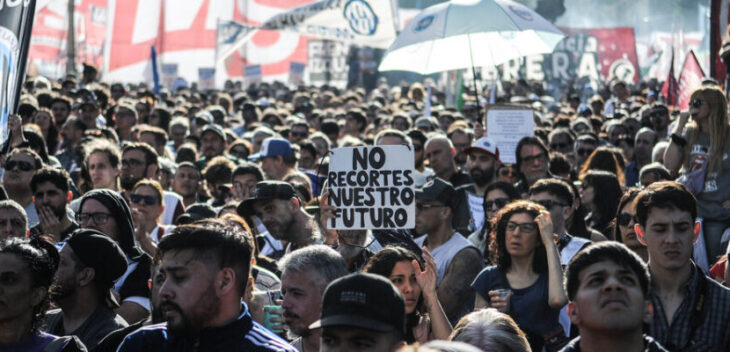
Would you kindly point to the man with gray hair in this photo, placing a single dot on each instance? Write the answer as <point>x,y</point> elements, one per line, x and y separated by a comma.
<point>13,220</point>
<point>305,273</point>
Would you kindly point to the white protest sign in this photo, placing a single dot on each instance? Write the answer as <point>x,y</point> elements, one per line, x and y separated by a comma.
<point>372,187</point>
<point>506,126</point>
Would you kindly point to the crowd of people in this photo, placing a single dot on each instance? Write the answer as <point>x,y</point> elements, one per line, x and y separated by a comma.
<point>199,220</point>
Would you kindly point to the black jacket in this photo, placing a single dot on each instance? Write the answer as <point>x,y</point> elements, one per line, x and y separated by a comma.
<point>243,334</point>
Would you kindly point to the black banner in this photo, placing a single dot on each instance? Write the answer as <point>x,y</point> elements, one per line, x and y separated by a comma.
<point>16,23</point>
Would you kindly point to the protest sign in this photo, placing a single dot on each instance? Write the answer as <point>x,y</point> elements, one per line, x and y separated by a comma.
<point>506,125</point>
<point>169,74</point>
<point>372,187</point>
<point>252,74</point>
<point>327,63</point>
<point>206,78</point>
<point>16,22</point>
<point>296,72</point>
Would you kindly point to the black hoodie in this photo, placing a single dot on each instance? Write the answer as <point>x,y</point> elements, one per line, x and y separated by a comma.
<point>134,282</point>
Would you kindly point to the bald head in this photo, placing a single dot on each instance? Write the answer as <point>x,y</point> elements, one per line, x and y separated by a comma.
<point>440,154</point>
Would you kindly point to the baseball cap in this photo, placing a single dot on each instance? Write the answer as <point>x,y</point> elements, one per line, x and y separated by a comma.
<point>437,189</point>
<point>195,212</point>
<point>484,144</point>
<point>365,301</point>
<point>273,146</point>
<point>215,129</point>
<point>96,250</point>
<point>266,190</point>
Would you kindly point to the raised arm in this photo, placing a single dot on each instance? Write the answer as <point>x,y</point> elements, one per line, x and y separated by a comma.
<point>455,287</point>
<point>440,325</point>
<point>675,151</point>
<point>556,294</point>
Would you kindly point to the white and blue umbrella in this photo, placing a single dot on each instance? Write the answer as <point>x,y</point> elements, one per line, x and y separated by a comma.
<point>466,33</point>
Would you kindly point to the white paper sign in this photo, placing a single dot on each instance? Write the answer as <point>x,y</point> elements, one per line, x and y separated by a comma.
<point>372,188</point>
<point>506,127</point>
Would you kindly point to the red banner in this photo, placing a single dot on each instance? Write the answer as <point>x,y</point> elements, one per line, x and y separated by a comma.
<point>670,87</point>
<point>615,49</point>
<point>690,78</point>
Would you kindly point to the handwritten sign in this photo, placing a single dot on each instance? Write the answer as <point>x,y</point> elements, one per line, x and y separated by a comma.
<point>372,187</point>
<point>506,126</point>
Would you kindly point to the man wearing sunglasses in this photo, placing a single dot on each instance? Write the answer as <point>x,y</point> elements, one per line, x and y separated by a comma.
<point>457,260</point>
<point>299,131</point>
<point>584,145</point>
<point>20,166</point>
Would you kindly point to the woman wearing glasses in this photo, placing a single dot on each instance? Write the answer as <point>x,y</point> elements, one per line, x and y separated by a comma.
<point>147,209</point>
<point>496,196</point>
<point>106,211</point>
<point>526,281</point>
<point>698,148</point>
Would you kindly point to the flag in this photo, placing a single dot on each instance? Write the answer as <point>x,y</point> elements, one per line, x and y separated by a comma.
<point>670,89</point>
<point>230,35</point>
<point>155,71</point>
<point>16,23</point>
<point>361,22</point>
<point>690,78</point>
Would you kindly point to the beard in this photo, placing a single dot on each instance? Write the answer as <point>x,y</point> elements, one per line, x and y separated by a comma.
<point>62,290</point>
<point>482,177</point>
<point>128,182</point>
<point>280,229</point>
<point>191,322</point>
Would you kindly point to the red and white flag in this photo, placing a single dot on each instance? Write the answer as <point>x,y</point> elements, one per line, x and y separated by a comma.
<point>670,89</point>
<point>690,78</point>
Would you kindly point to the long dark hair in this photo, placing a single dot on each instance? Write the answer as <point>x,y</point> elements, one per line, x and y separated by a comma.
<point>497,242</point>
<point>607,193</point>
<point>382,263</point>
<point>603,158</point>
<point>42,259</point>
<point>629,196</point>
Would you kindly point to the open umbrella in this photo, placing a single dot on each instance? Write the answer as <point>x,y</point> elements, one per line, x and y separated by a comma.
<point>466,33</point>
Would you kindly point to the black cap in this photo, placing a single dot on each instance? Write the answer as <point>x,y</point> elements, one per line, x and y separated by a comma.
<point>195,212</point>
<point>365,301</point>
<point>437,189</point>
<point>266,190</point>
<point>96,250</point>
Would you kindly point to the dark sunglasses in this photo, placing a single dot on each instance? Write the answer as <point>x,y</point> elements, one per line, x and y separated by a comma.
<point>696,103</point>
<point>499,202</point>
<point>556,146</point>
<point>624,219</point>
<point>138,198</point>
<point>422,206</point>
<point>132,163</point>
<point>508,172</point>
<point>549,203</point>
<point>22,165</point>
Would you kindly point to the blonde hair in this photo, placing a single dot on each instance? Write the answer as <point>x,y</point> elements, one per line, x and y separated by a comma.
<point>719,129</point>
<point>490,330</point>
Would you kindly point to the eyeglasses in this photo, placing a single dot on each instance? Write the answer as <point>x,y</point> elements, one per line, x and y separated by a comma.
<point>99,218</point>
<point>423,206</point>
<point>549,203</point>
<point>624,219</point>
<point>585,152</point>
<point>696,103</point>
<point>132,162</point>
<point>531,159</point>
<point>149,200</point>
<point>524,227</point>
<point>556,146</point>
<point>499,202</point>
<point>22,165</point>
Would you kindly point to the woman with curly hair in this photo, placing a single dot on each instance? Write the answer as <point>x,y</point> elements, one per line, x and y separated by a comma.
<point>426,319</point>
<point>526,281</point>
<point>700,140</point>
<point>27,268</point>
